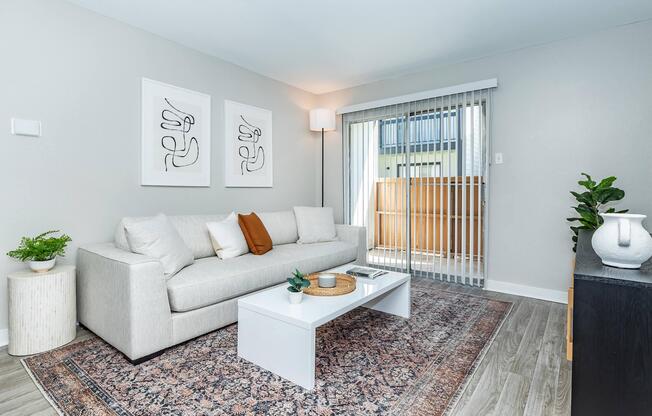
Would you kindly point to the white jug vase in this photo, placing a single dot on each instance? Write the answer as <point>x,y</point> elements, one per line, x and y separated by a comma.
<point>622,241</point>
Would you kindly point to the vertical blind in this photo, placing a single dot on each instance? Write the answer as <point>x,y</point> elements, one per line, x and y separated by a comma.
<point>416,177</point>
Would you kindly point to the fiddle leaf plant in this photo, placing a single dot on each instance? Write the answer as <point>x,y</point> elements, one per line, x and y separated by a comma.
<point>43,247</point>
<point>592,202</point>
<point>298,282</point>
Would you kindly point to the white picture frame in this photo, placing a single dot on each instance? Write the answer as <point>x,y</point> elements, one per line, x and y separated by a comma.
<point>248,159</point>
<point>175,136</point>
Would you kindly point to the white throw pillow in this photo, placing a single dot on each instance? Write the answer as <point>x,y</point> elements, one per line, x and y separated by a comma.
<point>315,224</point>
<point>156,237</point>
<point>227,238</point>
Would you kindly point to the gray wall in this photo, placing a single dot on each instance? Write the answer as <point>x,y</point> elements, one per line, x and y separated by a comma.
<point>79,73</point>
<point>582,104</point>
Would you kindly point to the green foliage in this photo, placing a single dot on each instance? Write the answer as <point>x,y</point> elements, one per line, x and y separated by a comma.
<point>298,282</point>
<point>592,202</point>
<point>41,248</point>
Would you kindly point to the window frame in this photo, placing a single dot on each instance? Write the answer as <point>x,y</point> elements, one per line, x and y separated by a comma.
<point>434,164</point>
<point>419,146</point>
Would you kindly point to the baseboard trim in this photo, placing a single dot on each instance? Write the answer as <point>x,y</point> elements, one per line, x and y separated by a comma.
<point>4,337</point>
<point>558,296</point>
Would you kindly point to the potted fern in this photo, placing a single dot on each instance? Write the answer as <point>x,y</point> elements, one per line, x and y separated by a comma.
<point>297,282</point>
<point>41,251</point>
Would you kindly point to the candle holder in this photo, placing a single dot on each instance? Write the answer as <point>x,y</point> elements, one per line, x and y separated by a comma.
<point>326,280</point>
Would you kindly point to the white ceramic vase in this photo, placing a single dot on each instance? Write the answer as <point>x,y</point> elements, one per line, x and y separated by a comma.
<point>42,266</point>
<point>295,297</point>
<point>622,241</point>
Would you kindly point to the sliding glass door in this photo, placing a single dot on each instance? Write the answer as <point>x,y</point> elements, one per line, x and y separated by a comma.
<point>416,177</point>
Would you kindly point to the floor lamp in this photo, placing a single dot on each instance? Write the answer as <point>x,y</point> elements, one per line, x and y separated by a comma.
<point>322,119</point>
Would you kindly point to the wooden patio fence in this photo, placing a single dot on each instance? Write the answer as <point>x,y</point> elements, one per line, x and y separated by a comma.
<point>430,212</point>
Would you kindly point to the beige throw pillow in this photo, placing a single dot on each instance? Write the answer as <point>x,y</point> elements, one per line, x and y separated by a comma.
<point>156,237</point>
<point>315,224</point>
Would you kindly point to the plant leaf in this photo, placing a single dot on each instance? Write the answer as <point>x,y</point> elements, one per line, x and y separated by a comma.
<point>606,182</point>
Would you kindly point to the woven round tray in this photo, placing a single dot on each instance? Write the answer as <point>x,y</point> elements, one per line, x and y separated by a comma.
<point>343,284</point>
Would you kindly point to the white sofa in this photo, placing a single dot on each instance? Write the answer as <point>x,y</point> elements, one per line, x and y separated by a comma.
<point>125,298</point>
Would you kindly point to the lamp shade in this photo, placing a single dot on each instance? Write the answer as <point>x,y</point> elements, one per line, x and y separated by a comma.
<point>322,118</point>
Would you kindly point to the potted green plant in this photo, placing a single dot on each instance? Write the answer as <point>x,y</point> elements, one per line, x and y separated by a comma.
<point>297,282</point>
<point>41,251</point>
<point>592,202</point>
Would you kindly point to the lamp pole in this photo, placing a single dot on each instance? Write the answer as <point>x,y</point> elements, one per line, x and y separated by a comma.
<point>322,167</point>
<point>322,119</point>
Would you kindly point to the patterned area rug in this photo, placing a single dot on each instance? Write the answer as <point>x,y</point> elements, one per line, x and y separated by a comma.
<point>367,363</point>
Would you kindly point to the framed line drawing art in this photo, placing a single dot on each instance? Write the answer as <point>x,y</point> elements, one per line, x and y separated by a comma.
<point>175,137</point>
<point>247,146</point>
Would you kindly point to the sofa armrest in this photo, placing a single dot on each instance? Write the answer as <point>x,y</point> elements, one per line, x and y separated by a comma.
<point>122,297</point>
<point>356,235</point>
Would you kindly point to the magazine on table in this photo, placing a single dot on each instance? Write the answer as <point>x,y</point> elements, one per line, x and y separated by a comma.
<point>365,272</point>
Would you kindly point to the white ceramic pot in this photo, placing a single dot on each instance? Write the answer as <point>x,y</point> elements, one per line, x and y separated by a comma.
<point>622,241</point>
<point>42,266</point>
<point>295,297</point>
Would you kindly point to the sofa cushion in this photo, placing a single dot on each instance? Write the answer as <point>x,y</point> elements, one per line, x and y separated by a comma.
<point>191,228</point>
<point>315,224</point>
<point>281,226</point>
<point>156,237</point>
<point>227,238</point>
<point>211,280</point>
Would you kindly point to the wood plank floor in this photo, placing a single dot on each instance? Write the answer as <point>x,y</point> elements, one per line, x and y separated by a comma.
<point>525,371</point>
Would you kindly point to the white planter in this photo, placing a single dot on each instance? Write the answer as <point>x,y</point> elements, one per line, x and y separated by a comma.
<point>42,266</point>
<point>622,241</point>
<point>295,297</point>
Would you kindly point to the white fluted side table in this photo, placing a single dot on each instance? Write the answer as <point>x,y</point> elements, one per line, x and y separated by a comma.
<point>42,310</point>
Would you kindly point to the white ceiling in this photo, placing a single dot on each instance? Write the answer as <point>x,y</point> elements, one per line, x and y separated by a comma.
<point>325,45</point>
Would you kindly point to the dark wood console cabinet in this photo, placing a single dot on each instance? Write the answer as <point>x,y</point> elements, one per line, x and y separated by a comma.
<point>612,337</point>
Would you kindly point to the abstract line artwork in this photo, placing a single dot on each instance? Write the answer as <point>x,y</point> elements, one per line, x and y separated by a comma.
<point>248,146</point>
<point>251,152</point>
<point>176,136</point>
<point>180,153</point>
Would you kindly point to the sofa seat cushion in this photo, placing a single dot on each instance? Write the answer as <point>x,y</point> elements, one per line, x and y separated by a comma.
<point>211,280</point>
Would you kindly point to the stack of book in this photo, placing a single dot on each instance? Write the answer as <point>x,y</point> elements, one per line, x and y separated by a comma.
<point>365,272</point>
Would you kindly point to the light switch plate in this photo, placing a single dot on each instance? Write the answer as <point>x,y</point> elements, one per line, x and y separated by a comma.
<point>498,158</point>
<point>21,127</point>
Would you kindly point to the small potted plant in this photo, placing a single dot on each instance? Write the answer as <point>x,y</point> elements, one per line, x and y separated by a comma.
<point>41,251</point>
<point>297,282</point>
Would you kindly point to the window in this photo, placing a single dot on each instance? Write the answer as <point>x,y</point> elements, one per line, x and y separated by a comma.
<point>423,133</point>
<point>420,170</point>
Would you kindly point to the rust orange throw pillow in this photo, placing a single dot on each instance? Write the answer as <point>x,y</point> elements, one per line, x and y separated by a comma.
<point>255,233</point>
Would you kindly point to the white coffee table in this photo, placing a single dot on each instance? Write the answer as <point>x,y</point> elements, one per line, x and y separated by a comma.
<point>280,337</point>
